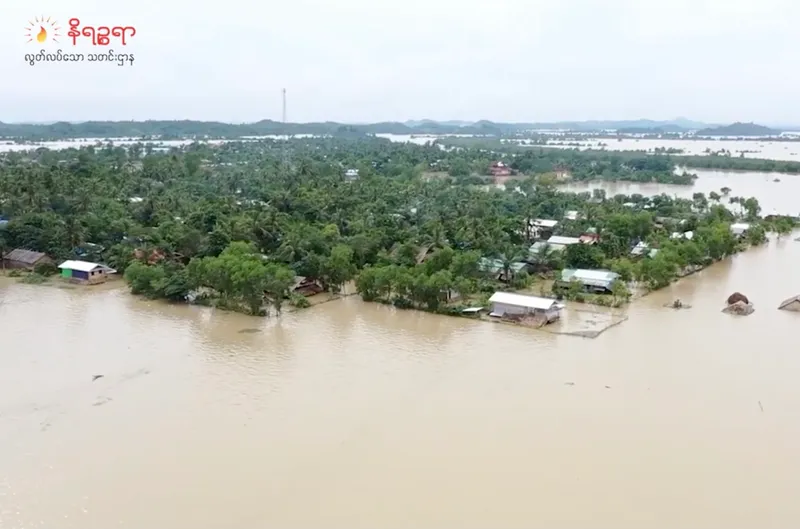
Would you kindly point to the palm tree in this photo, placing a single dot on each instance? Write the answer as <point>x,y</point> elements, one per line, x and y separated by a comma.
<point>543,258</point>
<point>509,255</point>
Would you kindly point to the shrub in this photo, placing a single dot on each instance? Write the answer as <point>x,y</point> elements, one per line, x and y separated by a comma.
<point>45,269</point>
<point>299,301</point>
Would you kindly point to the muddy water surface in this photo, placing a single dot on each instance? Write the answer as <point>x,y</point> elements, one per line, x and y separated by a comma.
<point>358,415</point>
<point>776,198</point>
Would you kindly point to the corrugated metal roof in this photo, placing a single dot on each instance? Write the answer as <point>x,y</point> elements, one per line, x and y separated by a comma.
<point>519,300</point>
<point>545,223</point>
<point>558,239</point>
<point>537,247</point>
<point>24,256</point>
<point>640,248</point>
<point>601,278</point>
<point>83,266</point>
<point>787,302</point>
<point>496,265</point>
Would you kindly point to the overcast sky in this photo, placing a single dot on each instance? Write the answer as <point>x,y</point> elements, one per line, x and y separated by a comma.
<point>375,60</point>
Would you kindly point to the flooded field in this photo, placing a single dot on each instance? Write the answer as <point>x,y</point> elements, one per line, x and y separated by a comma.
<point>781,197</point>
<point>771,150</point>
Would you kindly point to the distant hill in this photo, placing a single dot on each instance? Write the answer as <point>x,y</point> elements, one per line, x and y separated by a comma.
<point>427,122</point>
<point>676,125</point>
<point>739,129</point>
<point>664,129</point>
<point>266,127</point>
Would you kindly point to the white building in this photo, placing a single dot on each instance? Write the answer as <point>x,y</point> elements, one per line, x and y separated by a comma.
<point>509,304</point>
<point>689,235</point>
<point>541,227</point>
<point>739,228</point>
<point>592,280</point>
<point>558,240</point>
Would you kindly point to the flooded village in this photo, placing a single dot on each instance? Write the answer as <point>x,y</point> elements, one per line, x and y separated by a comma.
<point>111,400</point>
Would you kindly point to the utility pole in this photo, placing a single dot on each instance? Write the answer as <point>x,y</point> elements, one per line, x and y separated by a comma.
<point>284,159</point>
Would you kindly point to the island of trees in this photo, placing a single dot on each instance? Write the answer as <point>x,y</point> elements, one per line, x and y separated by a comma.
<point>236,225</point>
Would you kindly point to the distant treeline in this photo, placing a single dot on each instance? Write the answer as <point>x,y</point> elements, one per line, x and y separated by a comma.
<point>737,164</point>
<point>215,129</point>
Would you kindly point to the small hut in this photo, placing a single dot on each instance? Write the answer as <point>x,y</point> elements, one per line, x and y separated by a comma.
<point>306,286</point>
<point>792,304</point>
<point>24,259</point>
<point>84,272</point>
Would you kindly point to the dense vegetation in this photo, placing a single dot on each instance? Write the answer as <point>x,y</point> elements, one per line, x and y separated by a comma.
<point>234,224</point>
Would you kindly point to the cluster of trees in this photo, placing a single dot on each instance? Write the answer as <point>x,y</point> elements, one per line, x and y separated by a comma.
<point>581,165</point>
<point>738,163</point>
<point>239,274</point>
<point>237,222</point>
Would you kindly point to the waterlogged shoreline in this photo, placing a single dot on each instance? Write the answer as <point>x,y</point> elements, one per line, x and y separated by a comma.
<point>585,319</point>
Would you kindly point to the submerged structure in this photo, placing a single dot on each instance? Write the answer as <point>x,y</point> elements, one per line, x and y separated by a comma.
<point>84,272</point>
<point>23,259</point>
<point>509,305</point>
<point>792,304</point>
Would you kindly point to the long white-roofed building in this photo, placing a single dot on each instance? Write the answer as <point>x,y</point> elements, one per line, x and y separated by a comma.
<point>505,304</point>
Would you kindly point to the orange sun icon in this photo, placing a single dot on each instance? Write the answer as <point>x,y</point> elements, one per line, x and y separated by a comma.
<point>42,29</point>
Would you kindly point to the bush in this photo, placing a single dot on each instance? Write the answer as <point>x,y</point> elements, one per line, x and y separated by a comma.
<point>46,269</point>
<point>34,279</point>
<point>299,301</point>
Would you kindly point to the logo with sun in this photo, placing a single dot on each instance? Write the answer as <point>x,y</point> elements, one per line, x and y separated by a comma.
<point>42,29</point>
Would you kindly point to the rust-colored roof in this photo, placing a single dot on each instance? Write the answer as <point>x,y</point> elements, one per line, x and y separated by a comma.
<point>24,256</point>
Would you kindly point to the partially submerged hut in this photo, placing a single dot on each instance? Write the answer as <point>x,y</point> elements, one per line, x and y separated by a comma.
<point>793,304</point>
<point>84,272</point>
<point>24,259</point>
<point>306,286</point>
<point>738,304</point>
<point>507,304</point>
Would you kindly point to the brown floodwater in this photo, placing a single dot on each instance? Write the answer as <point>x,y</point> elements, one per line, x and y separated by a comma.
<point>358,415</point>
<point>775,198</point>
